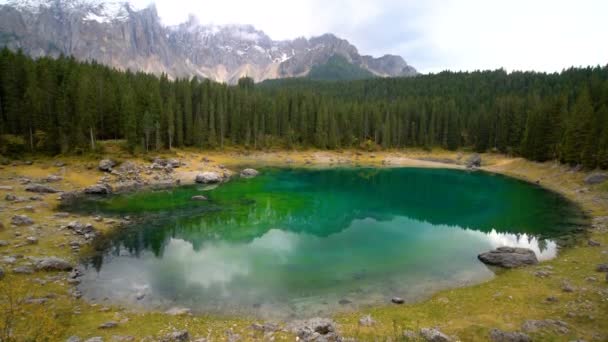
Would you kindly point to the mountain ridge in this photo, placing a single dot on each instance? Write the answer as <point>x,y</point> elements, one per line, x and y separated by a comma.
<point>118,35</point>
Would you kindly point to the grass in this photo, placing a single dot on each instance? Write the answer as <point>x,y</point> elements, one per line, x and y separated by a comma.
<point>467,313</point>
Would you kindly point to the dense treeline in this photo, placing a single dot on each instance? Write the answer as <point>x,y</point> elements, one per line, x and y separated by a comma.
<point>61,105</point>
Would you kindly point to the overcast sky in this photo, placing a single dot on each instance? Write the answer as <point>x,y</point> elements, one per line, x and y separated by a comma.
<point>432,35</point>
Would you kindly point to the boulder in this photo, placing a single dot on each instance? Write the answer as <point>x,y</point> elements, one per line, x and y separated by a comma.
<point>596,178</point>
<point>208,178</point>
<point>21,220</point>
<point>509,257</point>
<point>98,189</point>
<point>602,268</point>
<point>41,189</point>
<point>249,173</point>
<point>314,329</point>
<point>434,335</point>
<point>397,300</point>
<point>53,264</point>
<point>108,325</point>
<point>199,198</point>
<point>174,163</point>
<point>473,161</point>
<point>533,326</point>
<point>106,165</point>
<point>177,336</point>
<point>504,336</point>
<point>53,179</point>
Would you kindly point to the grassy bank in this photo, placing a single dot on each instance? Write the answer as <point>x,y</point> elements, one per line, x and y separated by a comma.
<point>466,313</point>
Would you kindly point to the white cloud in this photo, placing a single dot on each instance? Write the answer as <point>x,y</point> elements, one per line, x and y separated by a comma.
<point>431,35</point>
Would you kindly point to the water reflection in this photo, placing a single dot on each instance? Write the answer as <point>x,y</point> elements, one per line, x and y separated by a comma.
<point>285,273</point>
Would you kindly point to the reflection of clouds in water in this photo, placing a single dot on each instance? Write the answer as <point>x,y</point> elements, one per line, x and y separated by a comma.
<point>544,249</point>
<point>219,263</point>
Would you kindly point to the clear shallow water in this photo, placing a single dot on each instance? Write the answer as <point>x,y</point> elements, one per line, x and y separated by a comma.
<point>298,242</point>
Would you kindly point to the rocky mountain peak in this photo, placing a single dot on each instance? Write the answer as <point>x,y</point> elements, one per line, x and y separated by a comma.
<point>115,33</point>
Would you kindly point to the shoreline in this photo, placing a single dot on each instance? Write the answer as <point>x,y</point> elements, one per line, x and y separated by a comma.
<point>510,167</point>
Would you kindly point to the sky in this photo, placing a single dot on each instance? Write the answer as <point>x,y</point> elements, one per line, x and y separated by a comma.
<point>431,35</point>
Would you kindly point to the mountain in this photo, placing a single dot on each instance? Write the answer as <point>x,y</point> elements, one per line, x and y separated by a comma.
<point>118,35</point>
<point>338,68</point>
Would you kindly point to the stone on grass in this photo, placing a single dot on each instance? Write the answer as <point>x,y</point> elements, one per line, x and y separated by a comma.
<point>21,220</point>
<point>602,268</point>
<point>434,335</point>
<point>53,264</point>
<point>596,178</point>
<point>557,326</point>
<point>314,329</point>
<point>504,336</point>
<point>509,257</point>
<point>177,336</point>
<point>1,273</point>
<point>31,240</point>
<point>106,165</point>
<point>108,325</point>
<point>23,270</point>
<point>41,189</point>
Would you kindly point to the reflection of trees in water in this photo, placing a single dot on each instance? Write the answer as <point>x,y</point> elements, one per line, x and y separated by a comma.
<point>326,202</point>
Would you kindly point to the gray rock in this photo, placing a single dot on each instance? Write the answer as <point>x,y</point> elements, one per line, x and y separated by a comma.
<point>31,240</point>
<point>567,287</point>
<point>73,339</point>
<point>397,300</point>
<point>474,161</point>
<point>41,189</point>
<point>509,257</point>
<point>596,178</point>
<point>10,198</point>
<point>208,178</point>
<point>95,339</point>
<point>3,243</point>
<point>434,335</point>
<point>23,270</point>
<point>366,321</point>
<point>6,188</point>
<point>1,273</point>
<point>249,173</point>
<point>21,220</point>
<point>409,335</point>
<point>108,325</point>
<point>106,165</point>
<point>199,198</point>
<point>174,163</point>
<point>314,329</point>
<point>53,179</point>
<point>98,189</point>
<point>504,336</point>
<point>177,336</point>
<point>53,264</point>
<point>532,326</point>
<point>593,243</point>
<point>266,327</point>
<point>602,268</point>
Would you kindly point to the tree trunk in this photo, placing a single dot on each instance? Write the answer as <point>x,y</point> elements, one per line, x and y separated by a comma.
<point>31,139</point>
<point>92,138</point>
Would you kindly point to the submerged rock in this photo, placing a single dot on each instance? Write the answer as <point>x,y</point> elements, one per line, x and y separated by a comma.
<point>208,178</point>
<point>434,335</point>
<point>179,312</point>
<point>41,189</point>
<point>397,300</point>
<point>249,173</point>
<point>509,257</point>
<point>504,336</point>
<point>199,198</point>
